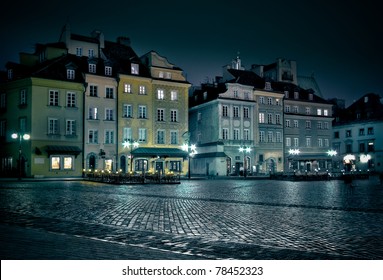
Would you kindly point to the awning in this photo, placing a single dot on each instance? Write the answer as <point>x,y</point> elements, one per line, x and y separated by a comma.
<point>63,150</point>
<point>310,157</point>
<point>159,152</point>
<point>210,155</point>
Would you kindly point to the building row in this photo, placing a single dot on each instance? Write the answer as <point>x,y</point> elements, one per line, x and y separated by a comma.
<point>88,103</point>
<point>91,104</point>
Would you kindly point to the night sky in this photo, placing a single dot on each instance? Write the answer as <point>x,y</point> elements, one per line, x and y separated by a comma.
<point>340,42</point>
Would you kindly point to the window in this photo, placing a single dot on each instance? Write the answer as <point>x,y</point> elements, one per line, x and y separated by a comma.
<point>295,109</point>
<point>55,163</point>
<point>246,112</point>
<point>235,93</point>
<point>108,71</point>
<point>68,163</point>
<point>268,86</point>
<point>160,94</point>
<point>23,97</point>
<point>261,100</point>
<point>246,134</point>
<point>319,125</point>
<point>308,124</point>
<point>362,147</point>
<point>261,136</point>
<point>326,143</point>
<point>160,136</point>
<point>325,112</point>
<point>370,131</point>
<point>277,102</point>
<point>296,123</point>
<point>261,117</point>
<point>93,113</point>
<point>142,135</point>
<point>308,110</point>
<point>278,137</point>
<point>127,134</point>
<point>173,116</point>
<point>109,114</point>
<point>142,112</point>
<point>78,51</point>
<point>325,125</point>
<point>142,90</point>
<point>269,118</point>
<point>370,147</point>
<point>288,123</point>
<point>361,131</point>
<point>168,75</point>
<point>53,98</point>
<point>160,115</point>
<point>92,68</point>
<point>127,111</point>
<point>93,90</point>
<point>296,142</point>
<point>225,133</point>
<point>348,133</point>
<point>134,68</point>
<point>71,99</point>
<point>336,134</point>
<point>269,101</point>
<point>173,137</point>
<point>127,88</point>
<point>53,126</point>
<point>277,118</point>
<point>236,134</point>
<point>286,94</point>
<point>70,74</point>
<point>311,96</point>
<point>308,142</point>
<point>288,142</point>
<point>224,111</point>
<point>287,108</point>
<point>3,126</point>
<point>91,53</point>
<point>161,74</point>
<point>320,142</point>
<point>319,112</point>
<point>175,166</point>
<point>173,95</point>
<point>246,95</point>
<point>10,74</point>
<point>296,95</point>
<point>70,127</point>
<point>93,136</point>
<point>109,136</point>
<point>269,136</point>
<point>236,112</point>
<point>109,93</point>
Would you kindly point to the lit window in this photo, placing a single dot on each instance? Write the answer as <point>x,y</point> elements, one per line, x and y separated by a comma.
<point>68,163</point>
<point>160,94</point>
<point>127,88</point>
<point>55,163</point>
<point>319,112</point>
<point>142,90</point>
<point>173,95</point>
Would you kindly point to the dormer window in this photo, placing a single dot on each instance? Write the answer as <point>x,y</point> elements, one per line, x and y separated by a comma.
<point>10,74</point>
<point>168,75</point>
<point>286,94</point>
<point>108,71</point>
<point>296,95</point>
<point>134,68</point>
<point>92,68</point>
<point>70,74</point>
<point>311,96</point>
<point>161,74</point>
<point>268,86</point>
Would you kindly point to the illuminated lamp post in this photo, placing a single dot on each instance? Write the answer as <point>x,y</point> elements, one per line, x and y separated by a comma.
<point>244,150</point>
<point>21,137</point>
<point>131,145</point>
<point>191,150</point>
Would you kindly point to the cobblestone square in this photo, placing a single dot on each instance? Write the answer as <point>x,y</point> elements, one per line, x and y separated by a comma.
<point>197,219</point>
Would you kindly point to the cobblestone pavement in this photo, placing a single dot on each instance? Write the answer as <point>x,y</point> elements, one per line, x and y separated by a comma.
<point>208,219</point>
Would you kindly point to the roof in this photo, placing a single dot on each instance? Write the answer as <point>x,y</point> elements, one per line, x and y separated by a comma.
<point>159,152</point>
<point>309,82</point>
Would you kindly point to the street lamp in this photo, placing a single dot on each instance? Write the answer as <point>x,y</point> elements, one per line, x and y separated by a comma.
<point>131,145</point>
<point>21,137</point>
<point>244,150</point>
<point>191,150</point>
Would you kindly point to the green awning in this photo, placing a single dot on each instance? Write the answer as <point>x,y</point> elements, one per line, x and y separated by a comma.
<point>63,150</point>
<point>210,155</point>
<point>159,152</point>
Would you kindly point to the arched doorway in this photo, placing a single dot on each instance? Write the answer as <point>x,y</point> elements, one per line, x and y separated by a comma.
<point>271,166</point>
<point>92,161</point>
